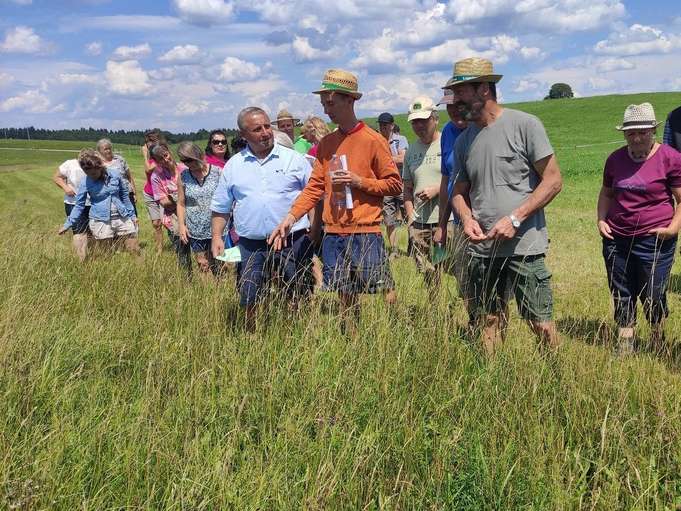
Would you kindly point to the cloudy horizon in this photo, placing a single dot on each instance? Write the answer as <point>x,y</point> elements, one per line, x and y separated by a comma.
<point>183,65</point>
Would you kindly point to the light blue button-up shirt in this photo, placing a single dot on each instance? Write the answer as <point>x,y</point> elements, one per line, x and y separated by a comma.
<point>263,190</point>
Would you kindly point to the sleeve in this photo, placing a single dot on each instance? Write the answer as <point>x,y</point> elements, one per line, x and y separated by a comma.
<point>674,169</point>
<point>305,171</point>
<point>445,153</point>
<point>387,181</point>
<point>158,187</point>
<point>223,199</point>
<point>63,169</point>
<point>459,162</point>
<point>312,193</point>
<point>667,136</point>
<point>79,207</point>
<point>404,144</point>
<point>124,195</point>
<point>537,141</point>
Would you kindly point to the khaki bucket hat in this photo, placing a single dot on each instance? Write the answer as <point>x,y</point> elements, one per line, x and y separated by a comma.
<point>338,80</point>
<point>285,115</point>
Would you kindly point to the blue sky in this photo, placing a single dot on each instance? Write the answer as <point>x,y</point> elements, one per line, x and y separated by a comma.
<point>187,64</point>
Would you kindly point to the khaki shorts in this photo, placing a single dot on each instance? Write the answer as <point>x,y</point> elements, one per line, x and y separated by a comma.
<point>153,207</point>
<point>114,228</point>
<point>492,281</point>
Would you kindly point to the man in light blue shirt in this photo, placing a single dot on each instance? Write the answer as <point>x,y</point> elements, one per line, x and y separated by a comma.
<point>258,186</point>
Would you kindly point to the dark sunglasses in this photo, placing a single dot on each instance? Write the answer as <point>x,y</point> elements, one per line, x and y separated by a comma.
<point>218,142</point>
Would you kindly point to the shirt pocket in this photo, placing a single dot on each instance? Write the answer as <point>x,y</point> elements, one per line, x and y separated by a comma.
<point>510,170</point>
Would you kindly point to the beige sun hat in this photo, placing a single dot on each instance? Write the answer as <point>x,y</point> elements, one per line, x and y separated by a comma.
<point>338,80</point>
<point>285,115</point>
<point>639,117</point>
<point>472,69</point>
<point>421,107</point>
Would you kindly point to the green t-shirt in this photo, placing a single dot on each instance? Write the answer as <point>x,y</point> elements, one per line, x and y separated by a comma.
<point>498,162</point>
<point>301,145</point>
<point>422,167</point>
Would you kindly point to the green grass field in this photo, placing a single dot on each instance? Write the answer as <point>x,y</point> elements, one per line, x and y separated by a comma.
<point>125,387</point>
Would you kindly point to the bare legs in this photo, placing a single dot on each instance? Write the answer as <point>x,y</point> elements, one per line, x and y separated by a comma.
<point>80,246</point>
<point>158,235</point>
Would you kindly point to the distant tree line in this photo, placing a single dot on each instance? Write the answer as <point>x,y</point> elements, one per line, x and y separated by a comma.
<point>135,137</point>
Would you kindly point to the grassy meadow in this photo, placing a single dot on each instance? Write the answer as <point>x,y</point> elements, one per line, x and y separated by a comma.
<point>123,386</point>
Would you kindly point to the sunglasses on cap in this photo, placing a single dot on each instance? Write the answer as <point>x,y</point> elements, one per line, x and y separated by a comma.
<point>218,142</point>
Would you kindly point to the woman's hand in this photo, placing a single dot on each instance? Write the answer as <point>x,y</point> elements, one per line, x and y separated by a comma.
<point>184,234</point>
<point>62,230</point>
<point>145,152</point>
<point>604,229</point>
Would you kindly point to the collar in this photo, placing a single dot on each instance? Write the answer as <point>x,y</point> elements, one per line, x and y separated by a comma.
<point>357,127</point>
<point>274,153</point>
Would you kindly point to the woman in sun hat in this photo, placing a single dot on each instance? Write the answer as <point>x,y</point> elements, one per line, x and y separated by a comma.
<point>639,223</point>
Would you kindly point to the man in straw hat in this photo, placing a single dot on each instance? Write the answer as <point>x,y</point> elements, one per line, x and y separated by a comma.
<point>286,122</point>
<point>352,250</point>
<point>507,174</point>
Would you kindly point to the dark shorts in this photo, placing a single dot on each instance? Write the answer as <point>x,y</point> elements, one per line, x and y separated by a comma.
<point>80,226</point>
<point>393,210</point>
<point>291,266</point>
<point>200,245</point>
<point>355,263</point>
<point>638,269</point>
<point>493,280</point>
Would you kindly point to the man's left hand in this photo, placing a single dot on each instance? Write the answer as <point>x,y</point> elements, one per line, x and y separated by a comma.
<point>347,178</point>
<point>502,230</point>
<point>428,193</point>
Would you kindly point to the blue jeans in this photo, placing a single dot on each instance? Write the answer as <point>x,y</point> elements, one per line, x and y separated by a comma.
<point>638,268</point>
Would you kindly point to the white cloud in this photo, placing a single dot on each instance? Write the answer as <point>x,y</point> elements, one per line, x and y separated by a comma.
<point>204,12</point>
<point>131,52</point>
<point>127,78</point>
<point>125,22</point>
<point>187,54</point>
<point>22,2</point>
<point>532,53</point>
<point>379,52</point>
<point>187,108</point>
<point>638,40</point>
<point>94,48</point>
<point>304,52</point>
<point>163,74</point>
<point>236,70</point>
<point>5,79</point>
<point>22,39</point>
<point>77,78</point>
<point>599,83</point>
<point>31,101</point>
<point>526,86</point>
<point>608,65</point>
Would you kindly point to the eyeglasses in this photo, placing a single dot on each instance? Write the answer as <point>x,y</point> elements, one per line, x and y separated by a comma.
<point>218,142</point>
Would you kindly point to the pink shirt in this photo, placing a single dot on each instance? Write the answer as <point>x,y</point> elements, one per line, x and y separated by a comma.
<point>214,160</point>
<point>643,198</point>
<point>147,186</point>
<point>164,184</point>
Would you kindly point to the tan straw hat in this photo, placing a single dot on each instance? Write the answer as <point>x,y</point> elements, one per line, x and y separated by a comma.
<point>472,70</point>
<point>285,115</point>
<point>338,80</point>
<point>639,117</point>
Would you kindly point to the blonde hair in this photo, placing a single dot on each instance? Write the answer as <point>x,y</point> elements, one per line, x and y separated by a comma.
<point>315,127</point>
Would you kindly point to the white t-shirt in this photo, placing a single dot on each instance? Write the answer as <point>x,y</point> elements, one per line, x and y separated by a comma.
<point>70,170</point>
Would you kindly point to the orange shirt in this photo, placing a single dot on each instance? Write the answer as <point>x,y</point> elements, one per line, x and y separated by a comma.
<point>369,157</point>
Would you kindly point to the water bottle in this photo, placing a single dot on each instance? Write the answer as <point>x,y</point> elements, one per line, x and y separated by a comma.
<point>337,190</point>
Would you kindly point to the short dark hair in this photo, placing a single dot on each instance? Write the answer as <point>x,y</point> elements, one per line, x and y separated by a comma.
<point>238,144</point>
<point>209,147</point>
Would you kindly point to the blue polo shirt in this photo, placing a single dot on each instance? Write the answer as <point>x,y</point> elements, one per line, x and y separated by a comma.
<point>261,191</point>
<point>449,135</point>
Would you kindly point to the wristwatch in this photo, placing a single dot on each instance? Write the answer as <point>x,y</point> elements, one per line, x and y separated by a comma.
<point>514,221</point>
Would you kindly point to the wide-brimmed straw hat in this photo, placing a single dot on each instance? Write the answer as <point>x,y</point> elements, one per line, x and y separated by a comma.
<point>472,70</point>
<point>285,115</point>
<point>639,117</point>
<point>338,80</point>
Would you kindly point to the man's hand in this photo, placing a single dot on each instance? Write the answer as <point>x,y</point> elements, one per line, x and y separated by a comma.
<point>604,229</point>
<point>278,237</point>
<point>345,177</point>
<point>663,233</point>
<point>502,230</point>
<point>428,193</point>
<point>472,229</point>
<point>62,230</point>
<point>217,246</point>
<point>440,235</point>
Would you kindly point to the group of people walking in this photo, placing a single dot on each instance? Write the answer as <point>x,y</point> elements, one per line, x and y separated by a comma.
<point>473,198</point>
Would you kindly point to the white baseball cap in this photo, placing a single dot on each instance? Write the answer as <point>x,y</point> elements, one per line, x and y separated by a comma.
<point>421,107</point>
